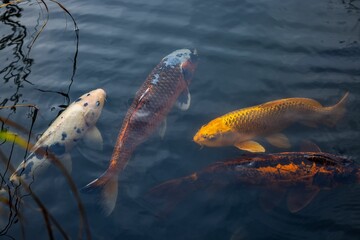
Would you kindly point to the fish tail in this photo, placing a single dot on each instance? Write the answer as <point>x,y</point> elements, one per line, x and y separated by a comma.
<point>166,196</point>
<point>107,186</point>
<point>334,113</point>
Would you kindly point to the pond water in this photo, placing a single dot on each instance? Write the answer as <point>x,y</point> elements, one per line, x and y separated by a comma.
<point>250,52</point>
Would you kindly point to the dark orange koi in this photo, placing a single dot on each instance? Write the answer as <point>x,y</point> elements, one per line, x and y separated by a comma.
<point>311,171</point>
<point>165,86</point>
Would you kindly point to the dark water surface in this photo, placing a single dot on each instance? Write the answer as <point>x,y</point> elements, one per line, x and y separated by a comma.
<point>250,52</point>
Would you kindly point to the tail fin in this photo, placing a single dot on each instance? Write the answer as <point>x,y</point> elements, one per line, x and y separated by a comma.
<point>336,112</point>
<point>107,184</point>
<point>166,196</point>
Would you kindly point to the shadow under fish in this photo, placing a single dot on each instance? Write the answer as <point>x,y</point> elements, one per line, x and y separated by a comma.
<point>295,176</point>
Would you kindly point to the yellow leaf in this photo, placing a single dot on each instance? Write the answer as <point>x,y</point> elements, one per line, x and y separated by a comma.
<point>13,137</point>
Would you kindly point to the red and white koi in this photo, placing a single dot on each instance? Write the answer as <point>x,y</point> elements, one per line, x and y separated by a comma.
<point>165,86</point>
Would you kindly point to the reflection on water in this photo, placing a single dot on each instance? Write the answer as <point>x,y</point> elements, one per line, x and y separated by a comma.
<point>16,49</point>
<point>74,65</point>
<point>17,65</point>
<point>15,45</point>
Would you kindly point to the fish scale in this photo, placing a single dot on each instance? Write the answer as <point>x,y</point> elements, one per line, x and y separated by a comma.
<point>268,115</point>
<point>157,100</point>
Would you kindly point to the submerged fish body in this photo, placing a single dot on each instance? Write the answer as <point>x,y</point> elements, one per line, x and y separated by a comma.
<point>288,169</point>
<point>239,128</point>
<point>76,122</point>
<point>304,172</point>
<point>165,86</point>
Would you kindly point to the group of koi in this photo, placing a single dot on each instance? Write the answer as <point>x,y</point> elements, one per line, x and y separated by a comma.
<point>168,85</point>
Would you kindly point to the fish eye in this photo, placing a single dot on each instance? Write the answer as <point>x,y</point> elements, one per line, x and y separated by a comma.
<point>209,137</point>
<point>212,138</point>
<point>97,103</point>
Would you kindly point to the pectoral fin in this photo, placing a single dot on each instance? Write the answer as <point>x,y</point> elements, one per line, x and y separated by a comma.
<point>93,138</point>
<point>298,199</point>
<point>278,140</point>
<point>250,146</point>
<point>162,128</point>
<point>183,101</point>
<point>270,198</point>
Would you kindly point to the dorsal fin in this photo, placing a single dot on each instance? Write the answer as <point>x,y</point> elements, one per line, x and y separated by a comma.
<point>309,146</point>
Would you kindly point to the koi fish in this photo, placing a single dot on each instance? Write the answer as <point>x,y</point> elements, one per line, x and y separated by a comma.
<point>240,127</point>
<point>304,174</point>
<point>166,85</point>
<point>76,122</point>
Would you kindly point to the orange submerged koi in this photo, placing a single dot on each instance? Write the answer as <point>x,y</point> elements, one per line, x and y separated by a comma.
<point>165,86</point>
<point>239,128</point>
<point>310,170</point>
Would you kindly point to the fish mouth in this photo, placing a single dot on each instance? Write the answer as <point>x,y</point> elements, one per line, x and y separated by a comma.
<point>102,93</point>
<point>197,140</point>
<point>199,143</point>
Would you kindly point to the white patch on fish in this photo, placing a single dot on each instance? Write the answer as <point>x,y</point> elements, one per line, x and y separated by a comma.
<point>141,114</point>
<point>155,80</point>
<point>176,57</point>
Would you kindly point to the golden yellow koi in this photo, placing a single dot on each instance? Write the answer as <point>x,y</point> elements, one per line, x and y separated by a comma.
<point>240,127</point>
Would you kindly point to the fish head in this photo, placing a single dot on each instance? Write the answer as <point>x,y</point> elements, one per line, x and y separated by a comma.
<point>185,58</point>
<point>92,104</point>
<point>214,134</point>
